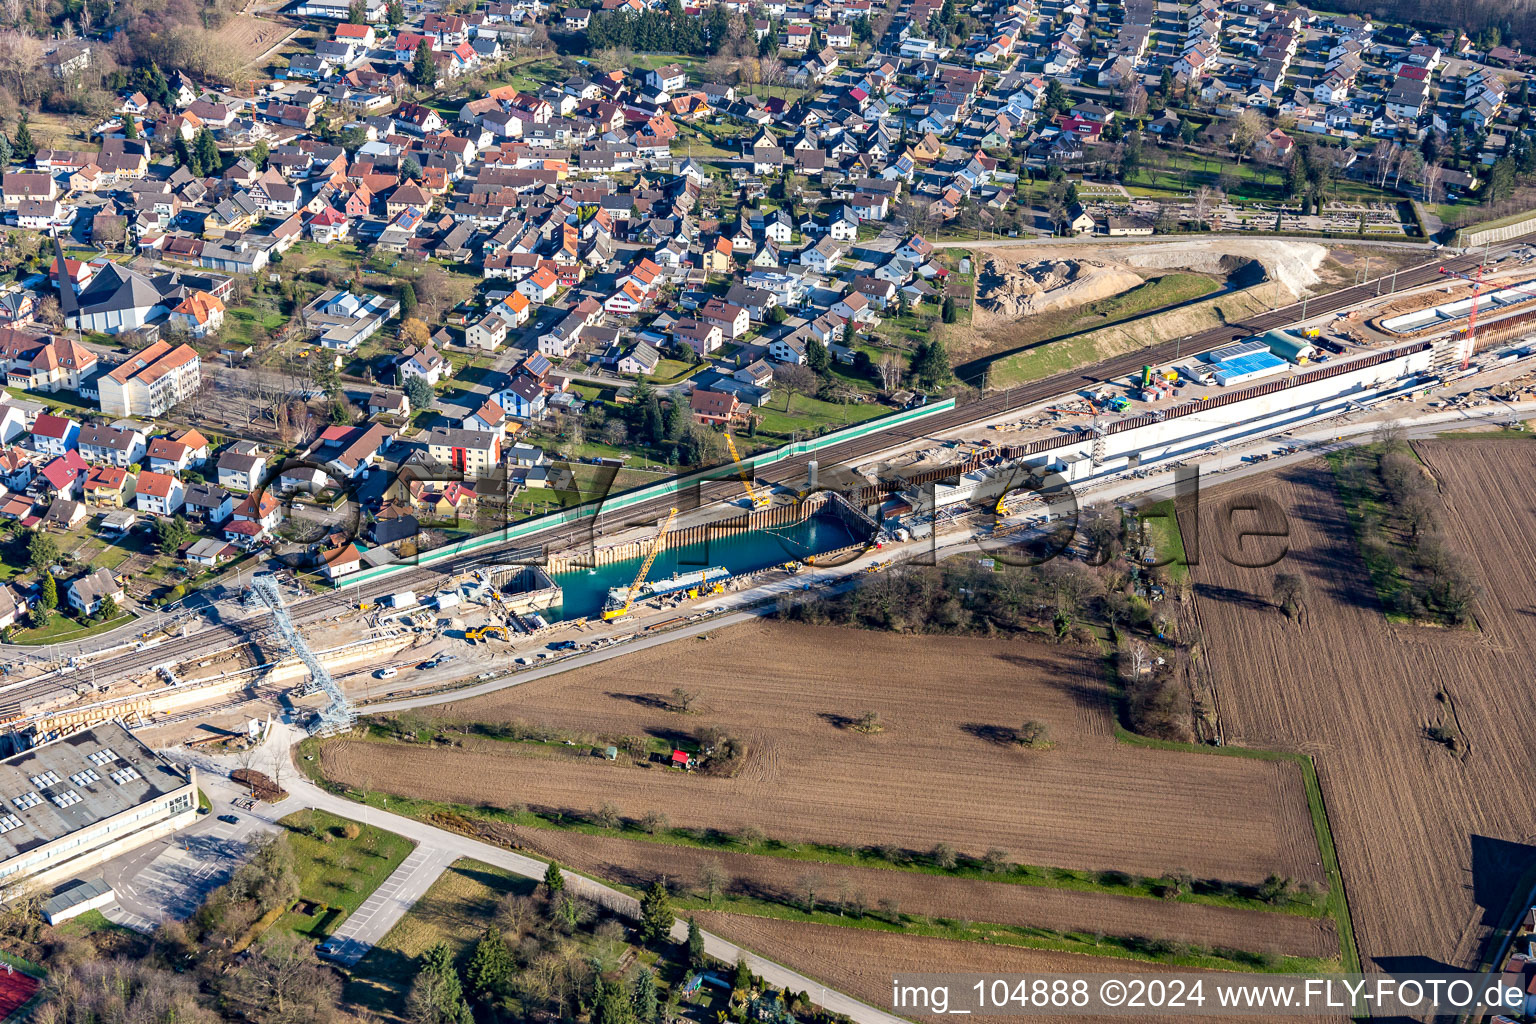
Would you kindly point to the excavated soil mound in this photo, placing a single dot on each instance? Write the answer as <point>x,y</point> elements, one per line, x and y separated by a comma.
<point>1009,291</point>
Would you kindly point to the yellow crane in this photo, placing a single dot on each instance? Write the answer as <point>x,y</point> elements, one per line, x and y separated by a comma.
<point>759,499</point>
<point>645,567</point>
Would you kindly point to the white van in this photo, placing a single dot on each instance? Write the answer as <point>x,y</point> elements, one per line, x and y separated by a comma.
<point>387,673</point>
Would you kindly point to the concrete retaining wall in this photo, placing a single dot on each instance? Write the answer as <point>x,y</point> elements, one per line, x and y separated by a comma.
<point>628,499</point>
<point>1491,236</point>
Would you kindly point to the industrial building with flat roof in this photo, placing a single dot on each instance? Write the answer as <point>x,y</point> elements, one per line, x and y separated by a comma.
<point>73,803</point>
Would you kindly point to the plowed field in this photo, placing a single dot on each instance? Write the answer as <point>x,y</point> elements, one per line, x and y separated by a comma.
<point>637,863</point>
<point>936,773</point>
<point>1431,842</point>
<point>864,968</point>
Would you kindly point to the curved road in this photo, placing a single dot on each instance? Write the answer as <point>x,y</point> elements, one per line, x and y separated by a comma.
<point>977,410</point>
<point>449,846</point>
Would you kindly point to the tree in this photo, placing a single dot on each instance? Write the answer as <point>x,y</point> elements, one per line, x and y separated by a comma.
<point>259,153</point>
<point>695,944</point>
<point>171,533</point>
<point>794,380</point>
<point>612,1006</point>
<point>930,363</point>
<point>554,881</point>
<point>410,170</point>
<point>889,367</point>
<point>23,148</point>
<point>947,310</point>
<point>437,995</point>
<point>281,982</point>
<point>49,598</point>
<point>490,967</point>
<point>408,299</point>
<point>394,13</point>
<point>743,979</point>
<point>130,127</point>
<point>816,356</point>
<point>643,1000</point>
<point>355,13</point>
<point>655,913</point>
<point>1247,129</point>
<point>423,67</point>
<point>1165,84</point>
<point>419,392</point>
<point>414,331</point>
<point>1034,734</point>
<point>42,550</point>
<point>1289,593</point>
<point>207,151</point>
<point>1056,99</point>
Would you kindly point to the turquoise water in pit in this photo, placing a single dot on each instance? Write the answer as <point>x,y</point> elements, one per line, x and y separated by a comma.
<point>586,590</point>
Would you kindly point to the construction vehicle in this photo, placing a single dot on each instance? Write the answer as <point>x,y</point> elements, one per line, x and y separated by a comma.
<point>707,587</point>
<point>609,614</point>
<point>484,633</point>
<point>758,499</point>
<point>1119,403</point>
<point>1469,339</point>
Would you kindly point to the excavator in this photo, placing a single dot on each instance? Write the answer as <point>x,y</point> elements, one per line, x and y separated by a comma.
<point>759,499</point>
<point>609,614</point>
<point>484,633</point>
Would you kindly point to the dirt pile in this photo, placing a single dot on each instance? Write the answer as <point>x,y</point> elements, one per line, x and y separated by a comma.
<point>1011,290</point>
<point>1294,264</point>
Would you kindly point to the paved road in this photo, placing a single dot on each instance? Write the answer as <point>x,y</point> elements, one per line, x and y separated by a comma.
<point>394,897</point>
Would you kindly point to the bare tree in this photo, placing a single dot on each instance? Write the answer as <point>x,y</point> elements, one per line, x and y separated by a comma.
<point>1247,129</point>
<point>1290,591</point>
<point>808,886</point>
<point>1134,102</point>
<point>794,380</point>
<point>890,368</point>
<point>683,700</point>
<point>1203,202</point>
<point>714,882</point>
<point>1432,174</point>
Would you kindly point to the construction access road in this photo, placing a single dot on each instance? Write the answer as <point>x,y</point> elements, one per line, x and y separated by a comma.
<point>978,410</point>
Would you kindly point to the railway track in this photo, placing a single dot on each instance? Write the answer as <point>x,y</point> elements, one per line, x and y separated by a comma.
<point>978,410</point>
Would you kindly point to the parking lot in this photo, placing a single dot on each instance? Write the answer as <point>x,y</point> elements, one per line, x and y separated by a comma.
<point>169,878</point>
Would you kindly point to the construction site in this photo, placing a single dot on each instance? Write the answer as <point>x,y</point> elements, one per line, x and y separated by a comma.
<point>461,618</point>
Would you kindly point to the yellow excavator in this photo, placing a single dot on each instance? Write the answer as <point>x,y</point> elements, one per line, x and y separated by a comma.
<point>759,499</point>
<point>484,633</point>
<point>610,614</point>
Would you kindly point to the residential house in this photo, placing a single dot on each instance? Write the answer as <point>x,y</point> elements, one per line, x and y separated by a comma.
<point>86,593</point>
<point>158,493</point>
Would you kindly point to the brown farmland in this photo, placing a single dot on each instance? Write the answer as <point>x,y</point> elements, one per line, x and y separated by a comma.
<point>936,772</point>
<point>1431,842</point>
<point>638,863</point>
<point>864,968</point>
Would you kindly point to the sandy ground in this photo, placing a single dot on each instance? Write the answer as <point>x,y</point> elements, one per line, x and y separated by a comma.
<point>936,772</point>
<point>1294,264</point>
